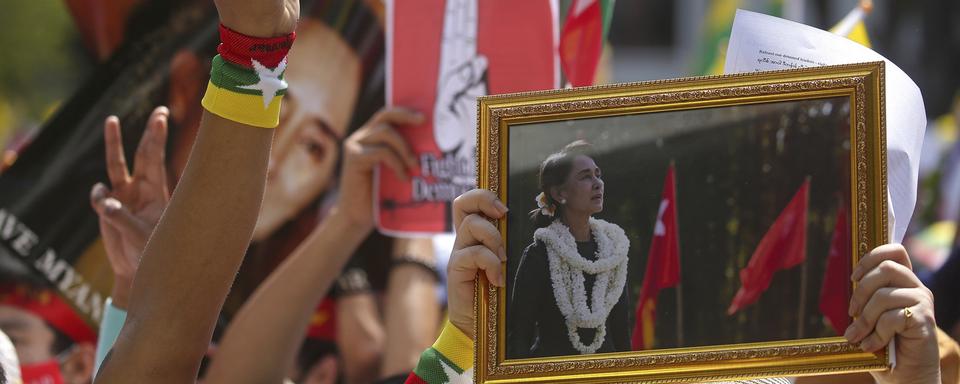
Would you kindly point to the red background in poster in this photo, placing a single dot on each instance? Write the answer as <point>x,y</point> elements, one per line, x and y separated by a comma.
<point>517,38</point>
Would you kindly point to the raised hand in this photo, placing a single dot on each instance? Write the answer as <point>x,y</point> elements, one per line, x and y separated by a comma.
<point>259,18</point>
<point>130,208</point>
<point>377,142</point>
<point>462,78</point>
<point>892,304</point>
<point>193,254</point>
<point>478,248</point>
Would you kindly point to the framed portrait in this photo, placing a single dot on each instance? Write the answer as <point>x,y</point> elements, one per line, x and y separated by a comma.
<point>685,230</point>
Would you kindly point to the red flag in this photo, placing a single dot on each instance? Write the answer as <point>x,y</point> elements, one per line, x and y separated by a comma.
<point>782,247</point>
<point>323,323</point>
<point>581,42</point>
<point>663,265</point>
<point>835,291</point>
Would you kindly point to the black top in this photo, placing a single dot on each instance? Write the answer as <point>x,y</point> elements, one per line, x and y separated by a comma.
<point>535,325</point>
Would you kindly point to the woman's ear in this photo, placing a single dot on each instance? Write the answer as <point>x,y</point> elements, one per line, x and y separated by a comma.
<point>557,194</point>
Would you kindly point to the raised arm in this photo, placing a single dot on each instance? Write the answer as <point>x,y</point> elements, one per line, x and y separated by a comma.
<point>193,254</point>
<point>477,252</point>
<point>262,341</point>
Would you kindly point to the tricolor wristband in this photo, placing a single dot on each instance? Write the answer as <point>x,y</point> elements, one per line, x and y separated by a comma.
<point>246,78</point>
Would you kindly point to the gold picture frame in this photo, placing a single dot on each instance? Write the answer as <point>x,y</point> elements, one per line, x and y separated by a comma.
<point>861,84</point>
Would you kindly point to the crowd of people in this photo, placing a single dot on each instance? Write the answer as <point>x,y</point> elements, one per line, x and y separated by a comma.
<point>175,255</point>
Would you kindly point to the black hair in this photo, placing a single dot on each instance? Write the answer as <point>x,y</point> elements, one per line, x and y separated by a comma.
<point>554,171</point>
<point>311,352</point>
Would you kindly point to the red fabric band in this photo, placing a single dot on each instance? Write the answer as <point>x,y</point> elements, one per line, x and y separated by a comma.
<point>51,308</point>
<point>239,49</point>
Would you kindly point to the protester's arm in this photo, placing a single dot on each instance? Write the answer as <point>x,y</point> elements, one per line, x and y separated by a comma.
<point>477,250</point>
<point>262,341</point>
<point>193,254</point>
<point>412,310</point>
<point>128,211</point>
<point>891,303</point>
<point>360,333</point>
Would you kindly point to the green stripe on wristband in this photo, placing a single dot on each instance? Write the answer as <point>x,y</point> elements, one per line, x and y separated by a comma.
<point>230,76</point>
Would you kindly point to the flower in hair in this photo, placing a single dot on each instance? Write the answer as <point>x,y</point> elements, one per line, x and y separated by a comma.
<point>545,207</point>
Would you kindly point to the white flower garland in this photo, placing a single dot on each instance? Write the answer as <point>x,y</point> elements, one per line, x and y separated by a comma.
<point>566,274</point>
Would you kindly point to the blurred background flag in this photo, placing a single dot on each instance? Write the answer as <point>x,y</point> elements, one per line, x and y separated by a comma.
<point>852,25</point>
<point>582,39</point>
<point>663,265</point>
<point>716,31</point>
<point>835,291</point>
<point>784,246</point>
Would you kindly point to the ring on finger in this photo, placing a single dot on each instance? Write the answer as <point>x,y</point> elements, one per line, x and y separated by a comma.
<point>907,314</point>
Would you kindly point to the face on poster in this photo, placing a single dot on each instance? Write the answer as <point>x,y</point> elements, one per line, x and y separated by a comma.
<point>331,91</point>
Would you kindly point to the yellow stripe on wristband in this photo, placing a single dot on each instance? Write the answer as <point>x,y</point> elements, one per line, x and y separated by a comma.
<point>242,108</point>
<point>455,346</point>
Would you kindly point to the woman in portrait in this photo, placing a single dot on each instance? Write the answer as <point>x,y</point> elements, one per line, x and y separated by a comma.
<point>569,295</point>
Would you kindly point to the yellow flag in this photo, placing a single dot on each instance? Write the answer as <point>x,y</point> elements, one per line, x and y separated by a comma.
<point>853,27</point>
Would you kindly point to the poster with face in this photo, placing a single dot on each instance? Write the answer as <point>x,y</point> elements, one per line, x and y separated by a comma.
<point>336,83</point>
<point>449,53</point>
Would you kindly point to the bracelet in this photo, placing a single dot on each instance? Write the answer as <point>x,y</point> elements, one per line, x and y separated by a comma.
<point>246,78</point>
<point>353,281</point>
<point>428,267</point>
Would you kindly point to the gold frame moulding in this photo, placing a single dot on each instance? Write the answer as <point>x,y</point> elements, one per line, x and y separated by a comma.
<point>862,83</point>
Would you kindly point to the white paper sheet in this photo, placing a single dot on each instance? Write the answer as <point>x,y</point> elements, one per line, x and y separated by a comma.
<point>762,43</point>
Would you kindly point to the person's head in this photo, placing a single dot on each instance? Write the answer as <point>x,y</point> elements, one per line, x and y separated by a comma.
<point>317,363</point>
<point>45,332</point>
<point>324,75</point>
<point>570,184</point>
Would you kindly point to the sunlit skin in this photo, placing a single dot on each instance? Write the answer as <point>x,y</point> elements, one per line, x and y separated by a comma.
<point>314,118</point>
<point>581,196</point>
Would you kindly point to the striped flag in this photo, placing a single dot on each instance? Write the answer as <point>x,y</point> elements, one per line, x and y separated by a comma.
<point>449,360</point>
<point>581,42</point>
<point>716,32</point>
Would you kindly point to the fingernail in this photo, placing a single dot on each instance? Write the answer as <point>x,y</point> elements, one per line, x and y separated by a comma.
<point>503,253</point>
<point>111,205</point>
<point>850,309</point>
<point>503,281</point>
<point>855,274</point>
<point>99,192</point>
<point>850,333</point>
<point>868,345</point>
<point>500,207</point>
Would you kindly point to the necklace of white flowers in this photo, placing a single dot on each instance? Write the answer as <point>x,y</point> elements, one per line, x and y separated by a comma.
<point>566,275</point>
